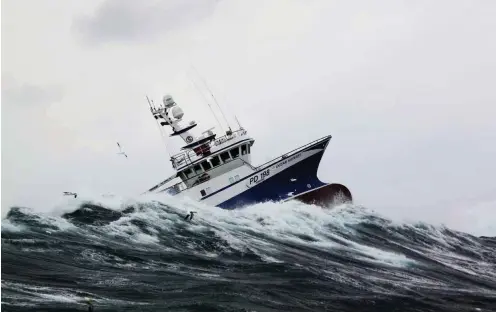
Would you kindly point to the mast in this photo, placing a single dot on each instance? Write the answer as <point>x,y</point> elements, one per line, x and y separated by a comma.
<point>170,114</point>
<point>152,107</point>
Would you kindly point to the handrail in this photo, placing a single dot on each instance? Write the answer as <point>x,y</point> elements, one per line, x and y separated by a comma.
<point>247,163</point>
<point>230,136</point>
<point>187,155</point>
<point>173,187</point>
<point>199,174</point>
<point>296,149</point>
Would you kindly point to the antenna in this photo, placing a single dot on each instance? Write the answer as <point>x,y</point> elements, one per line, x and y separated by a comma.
<point>238,122</point>
<point>208,103</point>
<point>215,100</point>
<point>150,103</point>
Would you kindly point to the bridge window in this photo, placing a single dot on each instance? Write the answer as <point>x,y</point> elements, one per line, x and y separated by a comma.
<point>248,148</point>
<point>203,193</point>
<point>231,180</point>
<point>235,152</point>
<point>215,161</point>
<point>236,177</point>
<point>225,157</point>
<point>243,149</point>
<point>188,173</point>
<point>206,165</point>
<point>198,169</point>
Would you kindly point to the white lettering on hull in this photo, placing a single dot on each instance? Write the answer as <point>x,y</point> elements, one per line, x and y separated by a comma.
<point>274,169</point>
<point>259,177</point>
<point>287,161</point>
<point>238,188</point>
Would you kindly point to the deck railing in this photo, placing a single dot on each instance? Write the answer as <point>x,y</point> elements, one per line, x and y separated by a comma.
<point>290,153</point>
<point>176,188</point>
<point>187,157</point>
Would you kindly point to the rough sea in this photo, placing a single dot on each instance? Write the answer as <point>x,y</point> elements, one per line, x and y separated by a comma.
<point>141,255</point>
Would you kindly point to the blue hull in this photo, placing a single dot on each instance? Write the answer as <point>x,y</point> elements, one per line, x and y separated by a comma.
<point>280,187</point>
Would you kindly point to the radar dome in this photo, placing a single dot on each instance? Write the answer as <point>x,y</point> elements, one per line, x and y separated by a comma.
<point>168,101</point>
<point>177,112</point>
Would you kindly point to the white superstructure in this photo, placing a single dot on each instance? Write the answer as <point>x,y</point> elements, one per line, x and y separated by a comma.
<point>206,163</point>
<point>218,170</point>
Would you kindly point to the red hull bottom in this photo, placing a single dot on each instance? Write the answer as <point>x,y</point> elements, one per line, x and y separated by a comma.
<point>327,196</point>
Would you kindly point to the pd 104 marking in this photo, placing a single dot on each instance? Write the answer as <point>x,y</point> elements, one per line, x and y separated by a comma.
<point>258,177</point>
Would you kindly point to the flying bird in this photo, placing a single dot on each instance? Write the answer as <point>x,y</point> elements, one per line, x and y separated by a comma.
<point>71,194</point>
<point>120,149</point>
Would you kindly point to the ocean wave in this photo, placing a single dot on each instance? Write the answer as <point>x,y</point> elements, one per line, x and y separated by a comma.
<point>127,253</point>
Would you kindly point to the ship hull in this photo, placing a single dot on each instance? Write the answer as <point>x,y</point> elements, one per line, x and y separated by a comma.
<point>326,196</point>
<point>297,181</point>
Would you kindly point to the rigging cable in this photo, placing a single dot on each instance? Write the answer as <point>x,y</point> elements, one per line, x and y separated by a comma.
<point>208,103</point>
<point>215,100</point>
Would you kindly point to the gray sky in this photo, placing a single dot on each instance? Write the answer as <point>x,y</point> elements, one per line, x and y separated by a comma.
<point>406,88</point>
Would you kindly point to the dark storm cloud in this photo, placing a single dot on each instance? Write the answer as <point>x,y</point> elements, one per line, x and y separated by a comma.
<point>131,20</point>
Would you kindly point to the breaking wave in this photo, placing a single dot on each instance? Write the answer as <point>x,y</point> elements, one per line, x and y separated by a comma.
<point>141,255</point>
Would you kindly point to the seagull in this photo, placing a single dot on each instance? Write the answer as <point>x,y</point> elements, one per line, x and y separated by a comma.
<point>120,149</point>
<point>190,215</point>
<point>71,193</point>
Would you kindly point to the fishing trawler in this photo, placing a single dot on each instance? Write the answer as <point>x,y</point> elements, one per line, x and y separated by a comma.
<point>219,172</point>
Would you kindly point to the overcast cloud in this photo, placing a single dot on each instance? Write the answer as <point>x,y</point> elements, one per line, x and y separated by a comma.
<point>406,88</point>
<point>131,21</point>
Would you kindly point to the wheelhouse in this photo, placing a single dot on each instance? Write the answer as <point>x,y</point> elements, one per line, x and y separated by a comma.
<point>204,157</point>
<point>216,164</point>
